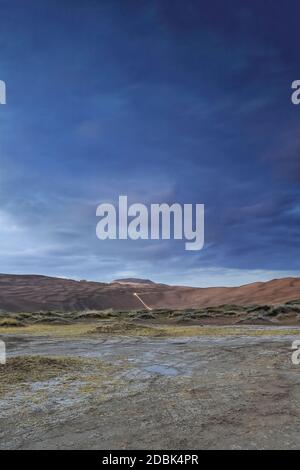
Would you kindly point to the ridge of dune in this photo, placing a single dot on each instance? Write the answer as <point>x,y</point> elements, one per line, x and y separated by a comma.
<point>30,293</point>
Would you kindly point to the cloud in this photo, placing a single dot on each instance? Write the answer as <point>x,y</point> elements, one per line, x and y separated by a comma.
<point>163,102</point>
<point>8,225</point>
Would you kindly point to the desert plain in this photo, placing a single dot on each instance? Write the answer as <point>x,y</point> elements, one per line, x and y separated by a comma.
<point>207,377</point>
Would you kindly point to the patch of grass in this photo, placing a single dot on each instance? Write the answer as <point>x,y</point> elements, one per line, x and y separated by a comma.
<point>130,328</point>
<point>20,370</point>
<point>72,329</point>
<point>126,329</point>
<point>10,322</point>
<point>73,323</point>
<point>102,314</point>
<point>195,330</point>
<point>91,373</point>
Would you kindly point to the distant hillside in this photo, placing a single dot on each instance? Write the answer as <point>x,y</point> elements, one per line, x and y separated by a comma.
<point>31,293</point>
<point>133,280</point>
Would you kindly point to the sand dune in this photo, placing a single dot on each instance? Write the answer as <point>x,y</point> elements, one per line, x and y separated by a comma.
<point>31,293</point>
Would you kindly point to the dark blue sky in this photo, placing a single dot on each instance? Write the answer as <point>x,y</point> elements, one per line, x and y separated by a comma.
<point>165,101</point>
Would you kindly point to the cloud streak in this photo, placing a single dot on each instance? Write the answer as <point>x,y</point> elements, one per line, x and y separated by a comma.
<point>161,101</point>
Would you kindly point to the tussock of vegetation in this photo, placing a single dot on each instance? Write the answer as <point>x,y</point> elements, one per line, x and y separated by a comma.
<point>143,322</point>
<point>293,302</point>
<point>103,314</point>
<point>10,322</point>
<point>222,331</point>
<point>126,328</point>
<point>86,374</point>
<point>20,370</point>
<point>190,331</point>
<point>41,329</point>
<point>132,329</point>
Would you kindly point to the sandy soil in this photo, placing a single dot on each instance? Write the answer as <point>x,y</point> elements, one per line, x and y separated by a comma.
<point>32,293</point>
<point>226,391</point>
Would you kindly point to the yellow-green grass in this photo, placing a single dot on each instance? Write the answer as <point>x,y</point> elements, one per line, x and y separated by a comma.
<point>21,371</point>
<point>122,329</point>
<point>74,329</point>
<point>10,322</point>
<point>224,331</point>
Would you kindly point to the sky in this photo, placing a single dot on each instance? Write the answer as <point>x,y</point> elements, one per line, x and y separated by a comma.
<point>162,101</point>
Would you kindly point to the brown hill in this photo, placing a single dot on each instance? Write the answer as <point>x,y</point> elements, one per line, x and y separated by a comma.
<point>31,293</point>
<point>133,280</point>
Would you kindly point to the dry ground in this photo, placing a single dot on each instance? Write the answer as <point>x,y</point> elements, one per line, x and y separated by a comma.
<point>91,386</point>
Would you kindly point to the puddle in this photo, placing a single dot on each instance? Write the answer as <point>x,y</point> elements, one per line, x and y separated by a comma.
<point>161,369</point>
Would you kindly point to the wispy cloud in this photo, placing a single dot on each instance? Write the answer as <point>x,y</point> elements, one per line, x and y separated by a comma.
<point>163,102</point>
